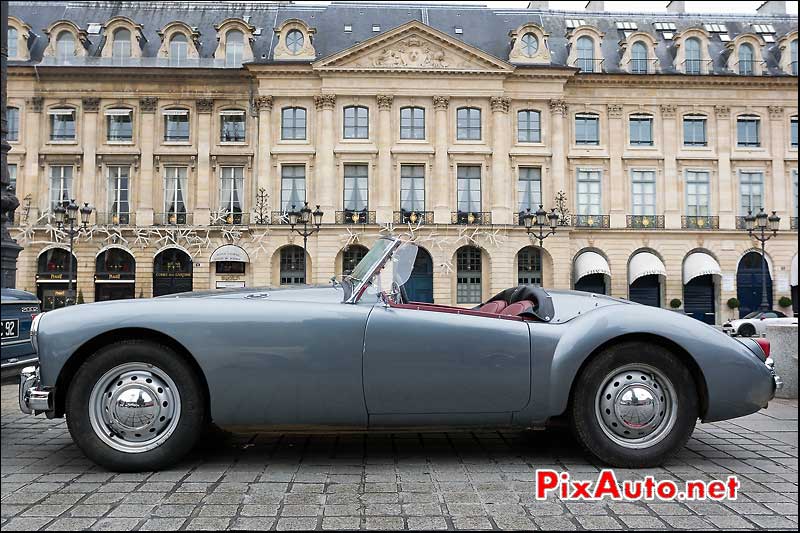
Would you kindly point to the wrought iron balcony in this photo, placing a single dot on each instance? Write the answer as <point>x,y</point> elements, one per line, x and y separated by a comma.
<point>115,219</point>
<point>699,222</point>
<point>355,217</point>
<point>645,221</point>
<point>740,223</point>
<point>591,221</point>
<point>473,218</point>
<point>229,218</point>
<point>412,217</point>
<point>172,219</point>
<point>793,222</point>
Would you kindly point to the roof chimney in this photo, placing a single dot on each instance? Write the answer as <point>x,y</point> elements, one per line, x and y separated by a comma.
<point>595,6</point>
<point>772,8</point>
<point>543,5</point>
<point>676,7</point>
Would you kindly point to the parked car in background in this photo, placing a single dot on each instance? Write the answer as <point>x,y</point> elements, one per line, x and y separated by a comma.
<point>756,323</point>
<point>18,311</point>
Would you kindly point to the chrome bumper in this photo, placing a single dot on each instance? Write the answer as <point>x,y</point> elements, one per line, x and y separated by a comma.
<point>32,398</point>
<point>775,377</point>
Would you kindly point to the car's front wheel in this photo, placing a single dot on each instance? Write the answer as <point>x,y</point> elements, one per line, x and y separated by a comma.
<point>135,406</point>
<point>634,405</point>
<point>747,330</point>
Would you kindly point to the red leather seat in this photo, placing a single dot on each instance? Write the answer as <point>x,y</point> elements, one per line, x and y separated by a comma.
<point>517,308</point>
<point>494,307</point>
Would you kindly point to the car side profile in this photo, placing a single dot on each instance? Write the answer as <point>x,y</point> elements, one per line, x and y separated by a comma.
<point>755,323</point>
<point>138,380</point>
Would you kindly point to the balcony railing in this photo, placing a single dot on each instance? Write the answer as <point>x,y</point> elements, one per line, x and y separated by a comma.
<point>355,217</point>
<point>699,222</point>
<point>740,223</point>
<point>642,66</point>
<point>645,221</point>
<point>228,219</point>
<point>793,222</point>
<point>413,217</point>
<point>591,221</point>
<point>115,219</point>
<point>473,218</point>
<point>172,219</point>
<point>696,66</point>
<point>589,65</point>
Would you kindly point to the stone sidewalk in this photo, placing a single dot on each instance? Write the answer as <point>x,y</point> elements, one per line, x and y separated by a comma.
<point>386,481</point>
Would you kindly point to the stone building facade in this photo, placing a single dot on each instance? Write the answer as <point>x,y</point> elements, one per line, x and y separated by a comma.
<point>193,132</point>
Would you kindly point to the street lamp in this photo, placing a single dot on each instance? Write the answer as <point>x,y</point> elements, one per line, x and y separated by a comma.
<point>311,221</point>
<point>759,227</point>
<point>541,219</point>
<point>68,212</point>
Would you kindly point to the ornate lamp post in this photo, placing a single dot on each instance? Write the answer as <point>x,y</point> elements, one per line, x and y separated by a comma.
<point>541,219</point>
<point>311,221</point>
<point>759,227</point>
<point>68,212</point>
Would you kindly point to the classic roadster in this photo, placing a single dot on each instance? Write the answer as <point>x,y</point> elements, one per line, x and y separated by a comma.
<point>138,380</point>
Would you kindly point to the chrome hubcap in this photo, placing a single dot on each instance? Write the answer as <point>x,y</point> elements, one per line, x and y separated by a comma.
<point>636,406</point>
<point>134,407</point>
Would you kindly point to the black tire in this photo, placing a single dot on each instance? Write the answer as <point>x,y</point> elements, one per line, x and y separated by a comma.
<point>190,425</point>
<point>747,330</point>
<point>584,417</point>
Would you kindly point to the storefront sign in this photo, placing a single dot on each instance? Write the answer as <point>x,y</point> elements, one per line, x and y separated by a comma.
<point>231,278</point>
<point>53,276</point>
<point>229,284</point>
<point>114,276</point>
<point>230,252</point>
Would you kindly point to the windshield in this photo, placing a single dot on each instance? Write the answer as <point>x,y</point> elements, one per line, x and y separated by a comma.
<point>754,314</point>
<point>389,261</point>
<point>376,253</point>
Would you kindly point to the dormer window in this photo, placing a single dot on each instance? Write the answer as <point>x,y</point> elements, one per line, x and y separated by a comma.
<point>793,57</point>
<point>585,60</point>
<point>12,37</point>
<point>639,58</point>
<point>178,49</point>
<point>121,48</point>
<point>17,39</point>
<point>295,41</point>
<point>234,48</point>
<point>694,58</point>
<point>530,45</point>
<point>65,46</point>
<point>747,60</point>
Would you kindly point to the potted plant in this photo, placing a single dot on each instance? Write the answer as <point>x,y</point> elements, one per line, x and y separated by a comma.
<point>785,301</point>
<point>80,299</point>
<point>733,305</point>
<point>675,305</point>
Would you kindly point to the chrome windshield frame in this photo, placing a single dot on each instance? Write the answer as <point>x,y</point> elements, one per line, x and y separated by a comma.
<point>358,290</point>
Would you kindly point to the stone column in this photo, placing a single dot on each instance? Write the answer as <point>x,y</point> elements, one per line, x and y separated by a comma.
<point>440,182</point>
<point>147,171</point>
<point>780,180</point>
<point>559,142</point>
<point>262,173</point>
<point>89,173</point>
<point>727,202</point>
<point>383,183</point>
<point>501,186</point>
<point>33,175</point>
<point>672,202</point>
<point>325,172</point>
<point>205,174</point>
<point>616,173</point>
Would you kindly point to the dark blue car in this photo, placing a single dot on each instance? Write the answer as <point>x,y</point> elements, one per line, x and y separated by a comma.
<point>18,310</point>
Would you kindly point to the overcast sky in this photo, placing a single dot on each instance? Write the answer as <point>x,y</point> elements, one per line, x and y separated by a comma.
<point>692,7</point>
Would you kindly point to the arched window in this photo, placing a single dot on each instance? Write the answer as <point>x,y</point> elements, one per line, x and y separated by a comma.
<point>468,124</point>
<point>585,54</point>
<point>12,42</point>
<point>294,41</point>
<point>529,266</point>
<point>356,122</point>
<point>530,45</point>
<point>529,126</point>
<point>412,123</point>
<point>639,58</point>
<point>234,48</point>
<point>693,56</point>
<point>172,272</point>
<point>747,62</point>
<point>65,46</point>
<point>121,47</point>
<point>351,257</point>
<point>293,123</point>
<point>469,288</point>
<point>293,266</point>
<point>56,260</point>
<point>793,56</point>
<point>114,277</point>
<point>178,49</point>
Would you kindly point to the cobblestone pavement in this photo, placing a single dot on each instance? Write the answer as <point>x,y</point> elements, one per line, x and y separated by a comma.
<point>383,481</point>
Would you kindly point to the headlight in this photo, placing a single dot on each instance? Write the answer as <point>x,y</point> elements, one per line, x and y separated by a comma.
<point>35,332</point>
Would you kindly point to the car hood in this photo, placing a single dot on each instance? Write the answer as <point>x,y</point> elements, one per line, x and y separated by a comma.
<point>302,293</point>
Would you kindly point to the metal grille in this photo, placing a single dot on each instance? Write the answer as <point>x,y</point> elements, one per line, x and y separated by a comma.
<point>293,266</point>
<point>468,276</point>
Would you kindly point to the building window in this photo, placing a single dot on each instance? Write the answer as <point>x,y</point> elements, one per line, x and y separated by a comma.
<point>232,126</point>
<point>529,126</point>
<point>468,124</point>
<point>468,275</point>
<point>121,47</point>
<point>176,125</point>
<point>60,185</point>
<point>293,187</point>
<point>529,189</point>
<point>12,115</point>
<point>644,192</point>
<point>355,188</point>
<point>231,193</point>
<point>412,188</point>
<point>751,191</point>
<point>587,129</point>
<point>589,192</point>
<point>293,266</point>
<point>469,189</point>
<point>356,122</point>
<point>585,60</point>
<point>178,50</point>
<point>641,130</point>
<point>12,177</point>
<point>351,257</point>
<point>175,189</point>
<point>639,58</point>
<point>793,52</point>
<point>530,45</point>
<point>747,60</point>
<point>793,131</point>
<point>234,48</point>
<point>118,199</point>
<point>747,131</point>
<point>65,46</point>
<point>294,41</point>
<point>529,266</point>
<point>62,124</point>
<point>412,123</point>
<point>794,190</point>
<point>293,123</point>
<point>694,131</point>
<point>12,43</point>
<point>698,194</point>
<point>694,56</point>
<point>119,125</point>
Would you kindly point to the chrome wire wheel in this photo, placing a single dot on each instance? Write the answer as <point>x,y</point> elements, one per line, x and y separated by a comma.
<point>134,407</point>
<point>636,406</point>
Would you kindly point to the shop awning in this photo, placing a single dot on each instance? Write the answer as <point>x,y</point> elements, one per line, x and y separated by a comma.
<point>645,264</point>
<point>794,271</point>
<point>699,264</point>
<point>230,252</point>
<point>591,263</point>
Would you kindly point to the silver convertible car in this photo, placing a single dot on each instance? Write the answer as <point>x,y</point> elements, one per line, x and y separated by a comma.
<point>138,380</point>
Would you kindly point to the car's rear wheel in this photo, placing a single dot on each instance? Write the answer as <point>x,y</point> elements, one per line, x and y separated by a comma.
<point>747,330</point>
<point>135,406</point>
<point>634,405</point>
